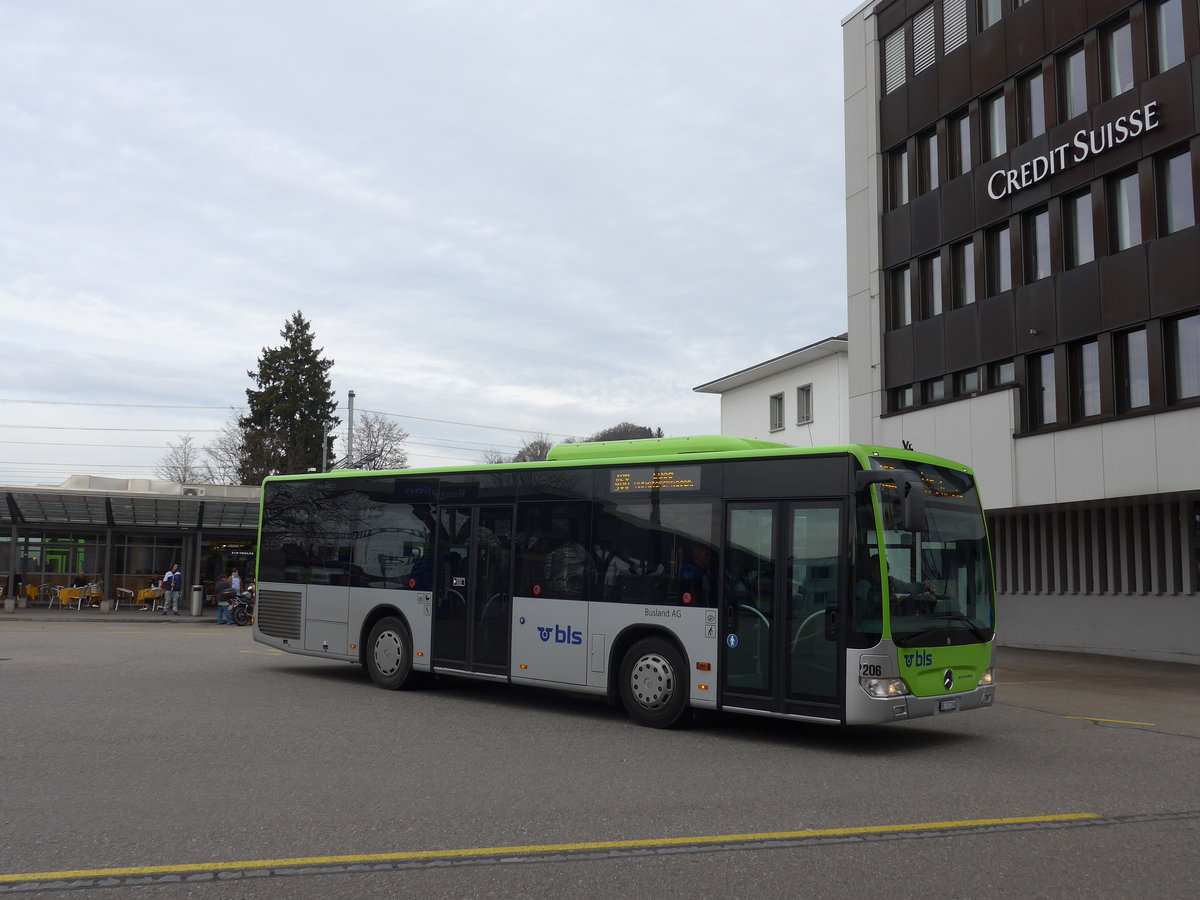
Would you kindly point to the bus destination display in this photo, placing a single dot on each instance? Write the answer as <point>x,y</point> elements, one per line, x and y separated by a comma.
<point>679,478</point>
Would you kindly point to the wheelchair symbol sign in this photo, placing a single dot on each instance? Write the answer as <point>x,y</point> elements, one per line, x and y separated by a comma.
<point>732,640</point>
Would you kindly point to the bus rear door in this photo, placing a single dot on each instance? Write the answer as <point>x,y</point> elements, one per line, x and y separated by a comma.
<point>780,607</point>
<point>471,589</point>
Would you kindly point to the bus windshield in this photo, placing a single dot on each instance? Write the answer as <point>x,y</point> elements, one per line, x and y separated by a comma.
<point>939,580</point>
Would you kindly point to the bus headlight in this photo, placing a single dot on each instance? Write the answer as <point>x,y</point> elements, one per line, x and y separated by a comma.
<point>883,688</point>
<point>985,680</point>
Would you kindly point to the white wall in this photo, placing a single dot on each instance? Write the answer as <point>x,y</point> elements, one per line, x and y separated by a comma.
<point>745,410</point>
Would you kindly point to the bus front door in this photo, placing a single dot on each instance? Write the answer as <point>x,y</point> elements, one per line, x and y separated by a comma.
<point>471,588</point>
<point>780,607</point>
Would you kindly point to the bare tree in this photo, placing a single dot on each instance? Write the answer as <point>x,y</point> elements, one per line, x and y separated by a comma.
<point>182,463</point>
<point>534,449</point>
<point>378,444</point>
<point>224,455</point>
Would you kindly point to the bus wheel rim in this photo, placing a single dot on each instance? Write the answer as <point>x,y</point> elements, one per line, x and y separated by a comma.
<point>389,653</point>
<point>652,681</point>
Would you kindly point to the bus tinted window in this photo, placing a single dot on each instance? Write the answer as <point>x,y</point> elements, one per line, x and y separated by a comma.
<point>653,550</point>
<point>360,533</point>
<point>553,559</point>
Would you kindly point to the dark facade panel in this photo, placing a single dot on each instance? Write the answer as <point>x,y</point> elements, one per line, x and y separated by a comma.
<point>893,117</point>
<point>1077,302</point>
<point>989,58</point>
<point>926,222</point>
<point>1065,19</point>
<point>891,17</point>
<point>962,338</point>
<point>1037,193</point>
<point>997,328</point>
<point>957,199</point>
<point>1174,264</point>
<point>923,108</point>
<point>1025,36</point>
<point>1124,291</point>
<point>1176,109</point>
<point>897,235</point>
<point>929,343</point>
<point>1036,323</point>
<point>1100,10</point>
<point>988,210</point>
<point>954,80</point>
<point>898,357</point>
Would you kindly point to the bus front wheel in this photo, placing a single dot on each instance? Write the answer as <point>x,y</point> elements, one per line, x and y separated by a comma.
<point>389,654</point>
<point>654,684</point>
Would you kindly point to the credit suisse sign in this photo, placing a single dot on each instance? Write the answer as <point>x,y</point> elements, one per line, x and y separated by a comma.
<point>1083,145</point>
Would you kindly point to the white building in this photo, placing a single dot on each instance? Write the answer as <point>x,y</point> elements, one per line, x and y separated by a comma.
<point>798,398</point>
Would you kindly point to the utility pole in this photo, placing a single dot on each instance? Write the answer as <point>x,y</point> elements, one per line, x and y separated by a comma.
<point>350,431</point>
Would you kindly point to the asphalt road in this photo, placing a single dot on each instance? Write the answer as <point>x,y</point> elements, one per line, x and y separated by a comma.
<point>194,762</point>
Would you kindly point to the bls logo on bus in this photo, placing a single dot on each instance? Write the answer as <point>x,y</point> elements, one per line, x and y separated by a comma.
<point>561,635</point>
<point>921,659</point>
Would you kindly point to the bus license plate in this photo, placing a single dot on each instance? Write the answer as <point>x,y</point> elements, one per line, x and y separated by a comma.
<point>947,706</point>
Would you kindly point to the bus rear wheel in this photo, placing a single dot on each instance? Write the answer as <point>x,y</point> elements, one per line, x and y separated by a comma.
<point>389,654</point>
<point>654,685</point>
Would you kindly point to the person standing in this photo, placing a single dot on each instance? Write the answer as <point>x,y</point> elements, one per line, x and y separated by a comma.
<point>172,585</point>
<point>224,594</point>
<point>235,581</point>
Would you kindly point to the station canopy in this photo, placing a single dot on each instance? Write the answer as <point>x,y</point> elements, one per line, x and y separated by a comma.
<point>115,510</point>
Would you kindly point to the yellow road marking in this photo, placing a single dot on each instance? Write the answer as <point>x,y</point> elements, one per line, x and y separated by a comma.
<point>1111,721</point>
<point>535,848</point>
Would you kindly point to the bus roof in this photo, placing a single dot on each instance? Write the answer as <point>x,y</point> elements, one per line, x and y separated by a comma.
<point>654,450</point>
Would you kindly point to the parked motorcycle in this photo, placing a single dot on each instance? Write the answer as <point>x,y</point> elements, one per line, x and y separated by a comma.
<point>241,607</point>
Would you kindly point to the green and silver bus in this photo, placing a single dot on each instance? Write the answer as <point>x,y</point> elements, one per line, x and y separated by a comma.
<point>843,585</point>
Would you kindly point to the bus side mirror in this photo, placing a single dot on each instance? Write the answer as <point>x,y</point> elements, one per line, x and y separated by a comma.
<point>912,509</point>
<point>912,493</point>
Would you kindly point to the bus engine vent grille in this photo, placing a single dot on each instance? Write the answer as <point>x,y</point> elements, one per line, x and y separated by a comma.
<point>277,613</point>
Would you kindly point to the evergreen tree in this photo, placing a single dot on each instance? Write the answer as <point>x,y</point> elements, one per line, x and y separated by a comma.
<point>288,413</point>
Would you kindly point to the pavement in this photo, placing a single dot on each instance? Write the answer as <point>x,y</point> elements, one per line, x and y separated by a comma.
<point>127,614</point>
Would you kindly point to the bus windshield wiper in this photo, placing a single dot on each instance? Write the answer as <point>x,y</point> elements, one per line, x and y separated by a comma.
<point>968,621</point>
<point>912,639</point>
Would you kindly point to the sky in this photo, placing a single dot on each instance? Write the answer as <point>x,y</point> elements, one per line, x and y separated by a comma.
<point>502,218</point>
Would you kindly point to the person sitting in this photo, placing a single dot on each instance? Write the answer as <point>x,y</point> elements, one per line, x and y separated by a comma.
<point>912,598</point>
<point>80,581</point>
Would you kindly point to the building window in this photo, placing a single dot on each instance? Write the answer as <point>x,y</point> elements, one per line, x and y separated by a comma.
<point>898,177</point>
<point>1175,199</point>
<point>954,23</point>
<point>989,13</point>
<point>1037,245</point>
<point>902,398</point>
<point>1133,370</point>
<point>1118,59</point>
<point>804,412</point>
<point>1072,83</point>
<point>1002,373</point>
<point>893,61</point>
<point>777,412</point>
<point>1166,35</point>
<point>1032,99</point>
<point>960,144</point>
<point>924,40</point>
<point>1125,212</point>
<point>1042,403</point>
<point>962,272</point>
<point>931,286</point>
<point>927,162</point>
<point>998,260</point>
<point>1183,358</point>
<point>933,390</point>
<point>900,297</point>
<point>995,139</point>
<point>1085,380</point>
<point>966,383</point>
<point>1079,243</point>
